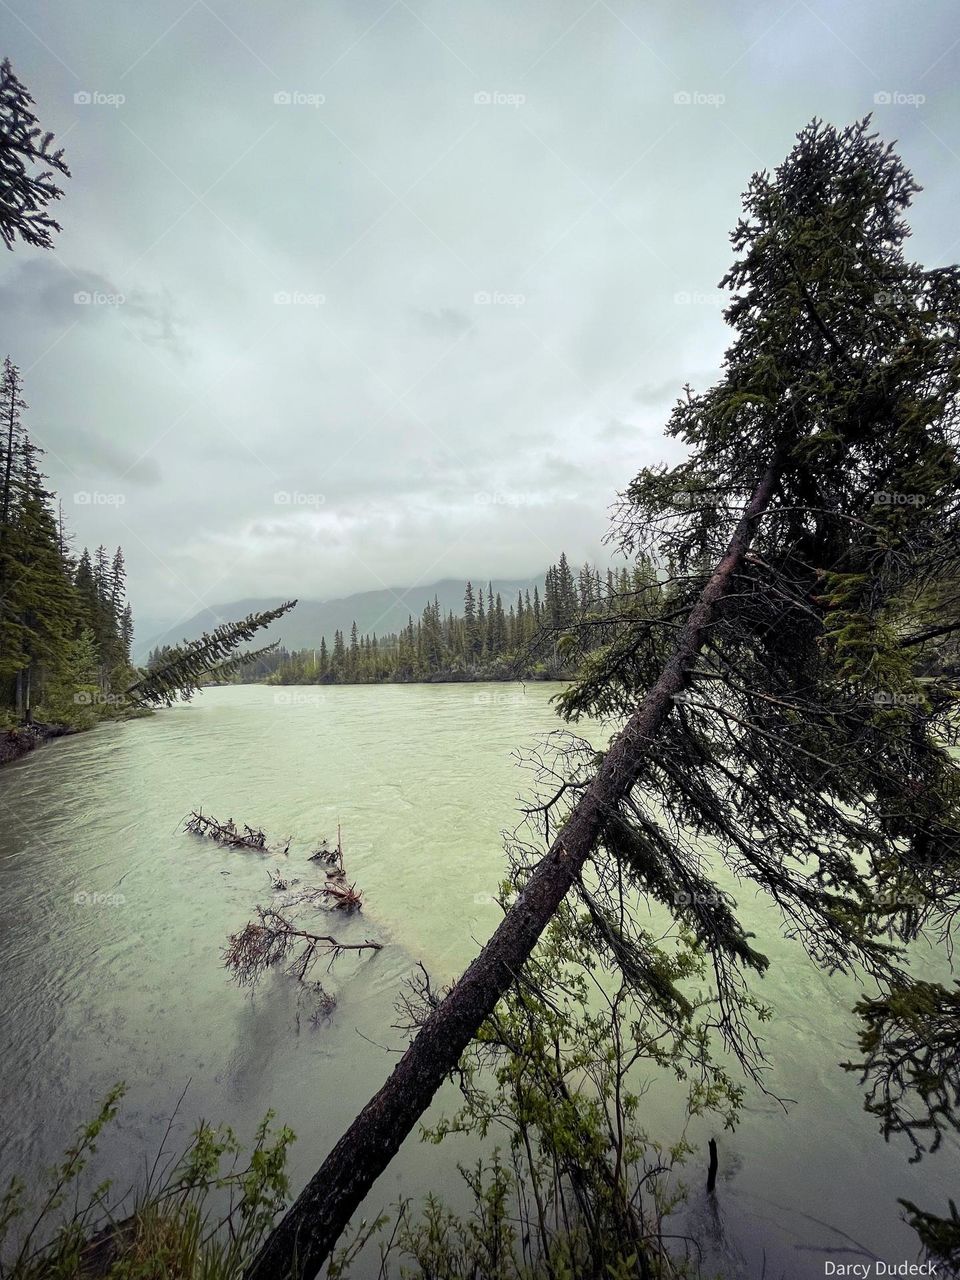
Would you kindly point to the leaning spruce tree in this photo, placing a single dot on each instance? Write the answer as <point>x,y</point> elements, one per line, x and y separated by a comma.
<point>183,668</point>
<point>787,685</point>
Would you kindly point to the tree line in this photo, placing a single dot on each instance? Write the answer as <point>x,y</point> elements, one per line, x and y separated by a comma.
<point>66,626</point>
<point>526,639</point>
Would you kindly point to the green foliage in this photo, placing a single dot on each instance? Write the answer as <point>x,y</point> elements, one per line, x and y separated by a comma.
<point>940,1237</point>
<point>62,1179</point>
<point>558,1074</point>
<point>204,1215</point>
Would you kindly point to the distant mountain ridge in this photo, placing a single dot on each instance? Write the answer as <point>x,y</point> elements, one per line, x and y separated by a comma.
<point>380,611</point>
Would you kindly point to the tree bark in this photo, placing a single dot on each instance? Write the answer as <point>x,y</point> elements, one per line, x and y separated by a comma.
<point>303,1239</point>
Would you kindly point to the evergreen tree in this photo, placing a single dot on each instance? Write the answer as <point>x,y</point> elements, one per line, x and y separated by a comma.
<point>481,624</point>
<point>24,149</point>
<point>126,634</point>
<point>12,405</point>
<point>473,645</point>
<point>211,657</point>
<point>40,595</point>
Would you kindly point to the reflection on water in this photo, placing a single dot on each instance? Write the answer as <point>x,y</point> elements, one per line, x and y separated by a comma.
<point>112,922</point>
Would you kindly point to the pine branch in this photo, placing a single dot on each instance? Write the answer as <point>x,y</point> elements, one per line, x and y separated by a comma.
<point>210,657</point>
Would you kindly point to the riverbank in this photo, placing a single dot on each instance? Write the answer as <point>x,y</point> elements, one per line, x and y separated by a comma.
<point>15,743</point>
<point>20,741</point>
<point>437,677</point>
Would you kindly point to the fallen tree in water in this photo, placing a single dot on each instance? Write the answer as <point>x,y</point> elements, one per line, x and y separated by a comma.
<point>275,939</point>
<point>344,896</point>
<point>228,833</point>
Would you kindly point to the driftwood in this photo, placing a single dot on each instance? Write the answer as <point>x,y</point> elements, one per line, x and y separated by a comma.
<point>227,833</point>
<point>275,939</point>
<point>298,1246</point>
<point>344,896</point>
<point>329,857</point>
<point>266,942</point>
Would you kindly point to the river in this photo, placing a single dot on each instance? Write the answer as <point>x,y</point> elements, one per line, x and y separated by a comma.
<point>112,922</point>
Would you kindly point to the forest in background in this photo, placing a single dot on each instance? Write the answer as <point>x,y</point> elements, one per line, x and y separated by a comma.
<point>66,626</point>
<point>529,639</point>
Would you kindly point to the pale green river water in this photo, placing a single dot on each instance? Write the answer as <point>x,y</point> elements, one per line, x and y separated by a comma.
<point>131,986</point>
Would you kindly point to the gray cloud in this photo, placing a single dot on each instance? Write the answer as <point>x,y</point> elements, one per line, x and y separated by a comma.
<point>450,282</point>
<point>448,322</point>
<point>43,293</point>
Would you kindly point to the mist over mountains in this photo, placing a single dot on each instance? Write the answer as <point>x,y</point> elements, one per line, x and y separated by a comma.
<point>381,611</point>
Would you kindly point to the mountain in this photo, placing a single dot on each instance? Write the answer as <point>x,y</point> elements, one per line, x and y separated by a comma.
<point>380,611</point>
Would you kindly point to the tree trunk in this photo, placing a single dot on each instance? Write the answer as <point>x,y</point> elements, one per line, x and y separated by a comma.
<point>303,1239</point>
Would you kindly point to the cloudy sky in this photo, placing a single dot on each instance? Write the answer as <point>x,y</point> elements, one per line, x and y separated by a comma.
<point>355,293</point>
